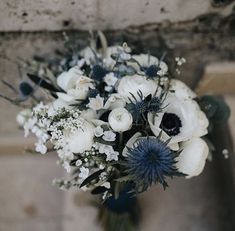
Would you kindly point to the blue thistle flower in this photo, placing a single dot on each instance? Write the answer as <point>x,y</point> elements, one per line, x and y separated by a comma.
<point>152,71</point>
<point>92,93</point>
<point>141,106</point>
<point>155,104</point>
<point>25,89</point>
<point>98,72</point>
<point>149,162</point>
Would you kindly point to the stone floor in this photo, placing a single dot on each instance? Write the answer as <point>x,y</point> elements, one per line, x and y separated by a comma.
<point>28,201</point>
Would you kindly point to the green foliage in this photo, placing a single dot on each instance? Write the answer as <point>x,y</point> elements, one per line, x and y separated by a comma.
<point>216,110</point>
<point>92,177</point>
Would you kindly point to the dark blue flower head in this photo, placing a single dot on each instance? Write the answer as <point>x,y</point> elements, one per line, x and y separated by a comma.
<point>92,93</point>
<point>25,89</point>
<point>152,71</point>
<point>149,162</point>
<point>98,72</point>
<point>139,107</point>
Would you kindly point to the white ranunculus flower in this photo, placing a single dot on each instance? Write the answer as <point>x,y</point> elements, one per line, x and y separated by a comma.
<point>23,116</point>
<point>81,139</point>
<point>192,159</point>
<point>74,83</point>
<point>133,84</point>
<point>180,120</point>
<point>120,120</point>
<point>181,90</point>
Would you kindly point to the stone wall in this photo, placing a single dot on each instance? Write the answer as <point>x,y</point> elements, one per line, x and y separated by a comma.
<point>54,15</point>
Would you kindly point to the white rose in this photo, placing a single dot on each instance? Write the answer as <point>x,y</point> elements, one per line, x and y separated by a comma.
<point>181,90</point>
<point>23,116</point>
<point>180,120</point>
<point>81,139</point>
<point>120,120</point>
<point>74,83</point>
<point>192,159</point>
<point>134,84</point>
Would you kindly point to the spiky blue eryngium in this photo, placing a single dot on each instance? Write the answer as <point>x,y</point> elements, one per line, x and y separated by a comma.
<point>149,162</point>
<point>140,106</point>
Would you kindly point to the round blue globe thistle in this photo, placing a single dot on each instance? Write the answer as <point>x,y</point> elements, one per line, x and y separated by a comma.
<point>149,162</point>
<point>25,89</point>
<point>98,72</point>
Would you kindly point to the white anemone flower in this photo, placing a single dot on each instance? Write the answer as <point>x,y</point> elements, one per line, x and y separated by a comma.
<point>181,90</point>
<point>179,120</point>
<point>192,159</point>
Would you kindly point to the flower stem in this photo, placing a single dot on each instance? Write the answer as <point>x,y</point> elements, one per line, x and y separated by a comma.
<point>120,144</point>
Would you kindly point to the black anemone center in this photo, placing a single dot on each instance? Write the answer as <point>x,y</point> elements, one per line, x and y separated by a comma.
<point>171,124</point>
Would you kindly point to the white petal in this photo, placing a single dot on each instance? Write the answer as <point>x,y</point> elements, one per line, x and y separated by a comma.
<point>156,130</point>
<point>65,97</point>
<point>63,80</point>
<point>130,143</point>
<point>192,159</point>
<point>182,91</point>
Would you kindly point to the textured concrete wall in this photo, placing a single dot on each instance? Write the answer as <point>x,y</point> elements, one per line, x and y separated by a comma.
<point>52,15</point>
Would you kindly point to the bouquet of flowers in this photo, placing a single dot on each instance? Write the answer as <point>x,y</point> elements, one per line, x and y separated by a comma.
<point>119,123</point>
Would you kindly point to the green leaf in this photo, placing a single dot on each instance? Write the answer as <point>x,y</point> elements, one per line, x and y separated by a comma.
<point>100,140</point>
<point>43,83</point>
<point>215,108</point>
<point>123,179</point>
<point>91,178</point>
<point>99,190</point>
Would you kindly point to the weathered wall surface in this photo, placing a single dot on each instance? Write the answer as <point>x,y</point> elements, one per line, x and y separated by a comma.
<point>53,15</point>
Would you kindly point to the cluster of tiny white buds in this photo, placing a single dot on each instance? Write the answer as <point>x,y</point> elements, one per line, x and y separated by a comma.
<point>225,153</point>
<point>180,61</point>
